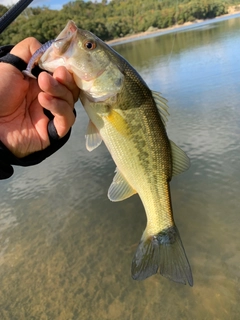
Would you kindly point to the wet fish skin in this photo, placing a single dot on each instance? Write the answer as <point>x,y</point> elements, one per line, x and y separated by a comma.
<point>130,119</point>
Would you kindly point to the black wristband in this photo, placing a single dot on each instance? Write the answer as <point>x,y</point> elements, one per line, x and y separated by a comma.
<point>15,61</point>
<point>6,170</point>
<point>5,49</point>
<point>7,158</point>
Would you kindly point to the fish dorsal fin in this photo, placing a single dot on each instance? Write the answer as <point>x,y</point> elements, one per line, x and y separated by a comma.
<point>180,160</point>
<point>161,105</point>
<point>120,189</point>
<point>93,137</point>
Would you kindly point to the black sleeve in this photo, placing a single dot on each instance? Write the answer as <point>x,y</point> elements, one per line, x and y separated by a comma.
<point>7,158</point>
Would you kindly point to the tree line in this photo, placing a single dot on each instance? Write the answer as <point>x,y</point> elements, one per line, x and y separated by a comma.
<point>110,20</point>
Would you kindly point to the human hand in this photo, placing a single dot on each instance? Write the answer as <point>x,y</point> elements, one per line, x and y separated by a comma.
<point>23,124</point>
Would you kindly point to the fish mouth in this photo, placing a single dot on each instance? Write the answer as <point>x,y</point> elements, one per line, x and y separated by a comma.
<point>68,32</point>
<point>61,48</point>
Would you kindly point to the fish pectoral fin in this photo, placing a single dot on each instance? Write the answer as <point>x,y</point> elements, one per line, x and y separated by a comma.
<point>120,189</point>
<point>162,106</point>
<point>163,252</point>
<point>180,160</point>
<point>93,137</point>
<point>118,122</point>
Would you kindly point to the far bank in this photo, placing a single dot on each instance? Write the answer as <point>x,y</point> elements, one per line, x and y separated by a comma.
<point>152,32</point>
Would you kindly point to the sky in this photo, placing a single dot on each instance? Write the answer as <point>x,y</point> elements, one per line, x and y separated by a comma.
<point>52,4</point>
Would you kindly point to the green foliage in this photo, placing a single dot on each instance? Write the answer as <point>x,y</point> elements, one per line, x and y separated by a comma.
<point>110,20</point>
<point>2,10</point>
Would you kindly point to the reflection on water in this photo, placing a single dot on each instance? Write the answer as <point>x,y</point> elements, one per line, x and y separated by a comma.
<point>66,250</point>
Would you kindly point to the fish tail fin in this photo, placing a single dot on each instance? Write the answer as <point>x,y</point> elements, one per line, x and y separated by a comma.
<point>163,252</point>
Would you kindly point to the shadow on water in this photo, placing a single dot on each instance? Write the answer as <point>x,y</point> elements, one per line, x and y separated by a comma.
<point>66,250</point>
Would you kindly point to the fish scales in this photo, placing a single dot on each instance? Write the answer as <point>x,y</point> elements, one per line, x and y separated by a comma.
<point>148,130</point>
<point>130,119</point>
<point>144,128</point>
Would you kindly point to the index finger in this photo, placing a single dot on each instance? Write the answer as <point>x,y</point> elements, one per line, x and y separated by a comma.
<point>62,75</point>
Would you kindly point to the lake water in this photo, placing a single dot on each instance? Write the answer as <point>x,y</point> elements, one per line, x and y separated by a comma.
<point>66,250</point>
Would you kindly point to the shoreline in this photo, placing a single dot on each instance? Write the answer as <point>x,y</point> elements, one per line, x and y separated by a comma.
<point>177,28</point>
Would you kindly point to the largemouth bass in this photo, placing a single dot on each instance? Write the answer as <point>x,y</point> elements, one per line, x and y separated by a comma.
<point>130,119</point>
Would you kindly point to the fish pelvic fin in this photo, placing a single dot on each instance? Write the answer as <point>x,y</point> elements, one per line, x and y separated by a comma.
<point>163,252</point>
<point>93,137</point>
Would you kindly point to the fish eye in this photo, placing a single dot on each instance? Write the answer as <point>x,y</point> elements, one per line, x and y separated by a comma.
<point>90,44</point>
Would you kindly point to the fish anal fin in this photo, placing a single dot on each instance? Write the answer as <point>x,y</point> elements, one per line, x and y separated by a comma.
<point>93,137</point>
<point>120,189</point>
<point>180,160</point>
<point>162,106</point>
<point>163,252</point>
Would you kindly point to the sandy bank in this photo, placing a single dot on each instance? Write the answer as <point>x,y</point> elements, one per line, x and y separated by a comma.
<point>154,31</point>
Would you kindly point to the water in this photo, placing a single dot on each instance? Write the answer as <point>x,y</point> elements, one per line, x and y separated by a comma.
<point>66,250</point>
